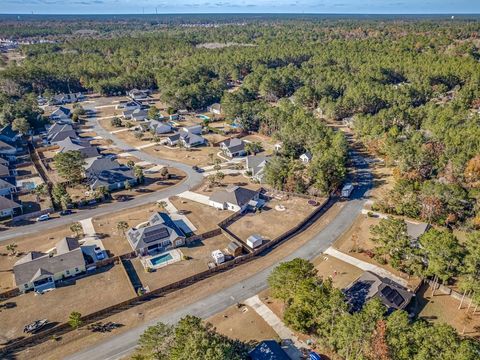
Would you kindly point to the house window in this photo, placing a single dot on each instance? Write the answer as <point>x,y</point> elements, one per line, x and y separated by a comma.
<point>26,286</point>
<point>67,272</point>
<point>76,269</point>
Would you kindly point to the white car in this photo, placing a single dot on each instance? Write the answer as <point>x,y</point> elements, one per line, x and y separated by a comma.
<point>43,217</point>
<point>99,253</point>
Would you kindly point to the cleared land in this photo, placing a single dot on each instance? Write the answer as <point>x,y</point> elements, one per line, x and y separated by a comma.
<point>341,273</point>
<point>242,323</point>
<point>106,288</point>
<point>199,156</point>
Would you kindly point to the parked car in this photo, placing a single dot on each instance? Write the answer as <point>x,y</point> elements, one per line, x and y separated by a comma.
<point>347,190</point>
<point>43,217</point>
<point>66,212</point>
<point>99,253</point>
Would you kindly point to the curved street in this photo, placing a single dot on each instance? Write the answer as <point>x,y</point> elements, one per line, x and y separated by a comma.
<point>120,345</point>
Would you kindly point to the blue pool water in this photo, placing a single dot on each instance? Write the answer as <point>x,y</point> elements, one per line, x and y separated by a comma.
<point>157,260</point>
<point>203,117</point>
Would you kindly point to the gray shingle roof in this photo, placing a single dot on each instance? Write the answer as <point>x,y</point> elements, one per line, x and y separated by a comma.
<point>107,171</point>
<point>234,145</point>
<point>160,228</point>
<point>256,163</point>
<point>6,204</point>
<point>75,144</point>
<point>415,230</point>
<point>69,256</point>
<point>4,147</point>
<point>234,195</point>
<point>61,135</point>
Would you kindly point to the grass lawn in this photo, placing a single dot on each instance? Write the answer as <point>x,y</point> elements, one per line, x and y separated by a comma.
<point>38,242</point>
<point>106,288</point>
<point>270,223</point>
<point>200,254</point>
<point>243,324</point>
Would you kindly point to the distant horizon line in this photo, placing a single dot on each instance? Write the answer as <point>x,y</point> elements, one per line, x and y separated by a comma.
<point>247,13</point>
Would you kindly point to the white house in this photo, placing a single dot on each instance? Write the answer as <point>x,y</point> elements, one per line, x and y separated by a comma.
<point>215,109</point>
<point>306,157</point>
<point>233,147</point>
<point>61,115</point>
<point>195,129</point>
<point>235,198</point>
<point>160,127</point>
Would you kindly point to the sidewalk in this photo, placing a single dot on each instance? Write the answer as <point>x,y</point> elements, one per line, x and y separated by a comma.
<point>292,342</point>
<point>365,266</point>
<point>190,195</point>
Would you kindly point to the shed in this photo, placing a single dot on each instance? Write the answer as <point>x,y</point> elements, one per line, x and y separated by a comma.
<point>254,241</point>
<point>234,249</point>
<point>218,257</point>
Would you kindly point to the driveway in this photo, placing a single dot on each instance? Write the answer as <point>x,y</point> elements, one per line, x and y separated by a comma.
<point>119,346</point>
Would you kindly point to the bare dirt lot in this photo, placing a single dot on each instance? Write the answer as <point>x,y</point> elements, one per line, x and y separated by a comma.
<point>25,244</point>
<point>270,223</point>
<point>113,239</point>
<point>107,288</point>
<point>199,156</point>
<point>200,254</point>
<point>341,273</point>
<point>230,179</point>
<point>203,217</point>
<point>244,324</point>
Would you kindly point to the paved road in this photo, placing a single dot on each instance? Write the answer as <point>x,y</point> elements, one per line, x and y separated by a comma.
<point>123,344</point>
<point>193,178</point>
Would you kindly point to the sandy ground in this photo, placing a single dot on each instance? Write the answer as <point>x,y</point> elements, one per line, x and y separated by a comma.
<point>107,288</point>
<point>38,242</point>
<point>200,255</point>
<point>196,156</point>
<point>80,339</point>
<point>242,323</point>
<point>271,223</point>
<point>341,273</point>
<point>231,179</point>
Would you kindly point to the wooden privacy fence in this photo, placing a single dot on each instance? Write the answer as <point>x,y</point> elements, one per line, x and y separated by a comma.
<point>160,292</point>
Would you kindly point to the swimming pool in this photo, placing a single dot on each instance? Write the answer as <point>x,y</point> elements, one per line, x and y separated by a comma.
<point>160,259</point>
<point>203,117</point>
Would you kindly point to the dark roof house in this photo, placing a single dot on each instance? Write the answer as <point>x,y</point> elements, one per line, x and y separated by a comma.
<point>109,173</point>
<point>8,135</point>
<point>161,233</point>
<point>8,207</point>
<point>268,350</point>
<point>234,198</point>
<point>74,144</point>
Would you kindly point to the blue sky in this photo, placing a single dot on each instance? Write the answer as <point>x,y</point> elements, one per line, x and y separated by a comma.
<point>238,6</point>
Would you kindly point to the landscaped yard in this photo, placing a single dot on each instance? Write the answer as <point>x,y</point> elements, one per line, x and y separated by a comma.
<point>270,222</point>
<point>113,239</point>
<point>84,295</point>
<point>38,242</point>
<point>203,217</point>
<point>199,253</point>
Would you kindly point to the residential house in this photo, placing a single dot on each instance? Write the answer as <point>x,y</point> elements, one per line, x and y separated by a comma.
<point>160,127</point>
<point>138,95</point>
<point>40,271</point>
<point>7,188</point>
<point>306,157</point>
<point>128,106</point>
<point>107,172</point>
<point>187,140</point>
<point>8,135</point>
<point>138,115</point>
<point>7,149</point>
<point>158,235</point>
<point>62,115</point>
<point>233,147</point>
<point>61,99</point>
<point>215,109</point>
<point>255,165</point>
<point>369,285</point>
<point>415,230</point>
<point>9,207</point>
<point>56,128</point>
<point>56,137</point>
<point>268,350</point>
<point>75,144</point>
<point>235,198</point>
<point>194,129</point>
<point>4,171</point>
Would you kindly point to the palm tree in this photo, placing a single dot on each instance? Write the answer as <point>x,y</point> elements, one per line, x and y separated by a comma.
<point>76,228</point>
<point>162,205</point>
<point>12,248</point>
<point>122,226</point>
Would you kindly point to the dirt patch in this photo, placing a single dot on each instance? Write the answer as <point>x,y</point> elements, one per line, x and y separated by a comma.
<point>244,324</point>
<point>341,273</point>
<point>199,254</point>
<point>231,179</point>
<point>38,242</point>
<point>107,288</point>
<point>295,211</point>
